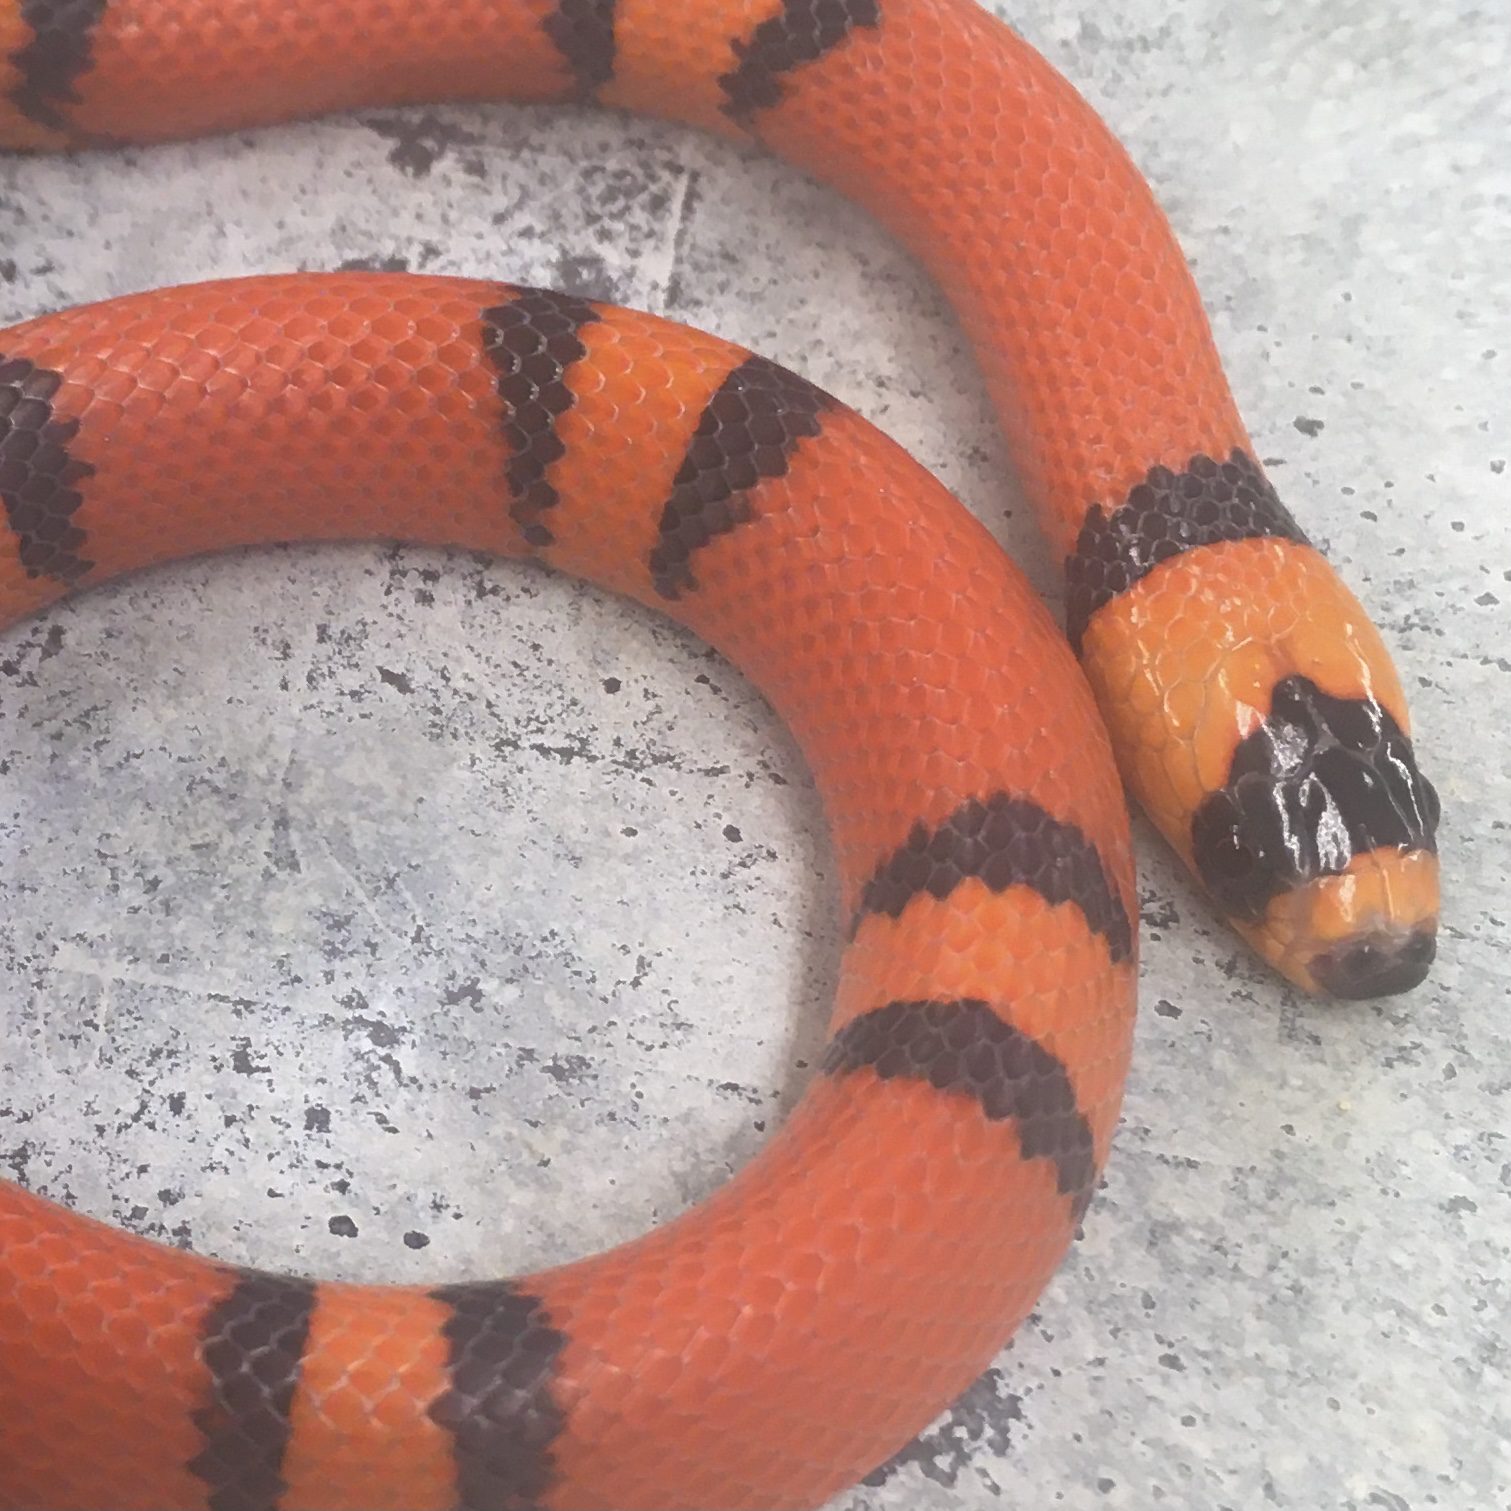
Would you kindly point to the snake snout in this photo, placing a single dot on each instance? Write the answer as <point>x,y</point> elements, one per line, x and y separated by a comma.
<point>1376,965</point>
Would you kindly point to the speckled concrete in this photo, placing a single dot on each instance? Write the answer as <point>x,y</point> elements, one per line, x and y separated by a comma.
<point>398,914</point>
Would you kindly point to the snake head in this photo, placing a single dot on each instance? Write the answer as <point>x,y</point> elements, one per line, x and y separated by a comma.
<point>1321,846</point>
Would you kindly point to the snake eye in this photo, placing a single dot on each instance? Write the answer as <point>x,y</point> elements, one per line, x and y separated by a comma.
<point>1233,843</point>
<point>1231,859</point>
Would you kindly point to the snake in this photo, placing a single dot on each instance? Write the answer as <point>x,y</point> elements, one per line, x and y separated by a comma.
<point>776,1342</point>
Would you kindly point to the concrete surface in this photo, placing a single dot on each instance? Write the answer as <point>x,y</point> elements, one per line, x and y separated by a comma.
<point>395,914</point>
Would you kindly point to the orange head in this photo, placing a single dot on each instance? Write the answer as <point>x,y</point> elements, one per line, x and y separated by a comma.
<point>1259,721</point>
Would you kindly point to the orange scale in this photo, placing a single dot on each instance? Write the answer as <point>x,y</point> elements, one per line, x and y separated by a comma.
<point>367,1345</point>
<point>764,1410</point>
<point>1036,963</point>
<point>71,1343</point>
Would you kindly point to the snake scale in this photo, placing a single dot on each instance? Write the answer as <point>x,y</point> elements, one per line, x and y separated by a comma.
<point>971,757</point>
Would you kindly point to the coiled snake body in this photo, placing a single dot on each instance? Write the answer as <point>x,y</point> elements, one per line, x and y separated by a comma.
<point>886,1242</point>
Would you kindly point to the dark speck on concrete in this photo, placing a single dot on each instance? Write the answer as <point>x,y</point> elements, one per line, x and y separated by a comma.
<point>586,275</point>
<point>469,991</point>
<point>419,141</point>
<point>393,262</point>
<point>243,1062</point>
<point>342,1226</point>
<point>566,1069</point>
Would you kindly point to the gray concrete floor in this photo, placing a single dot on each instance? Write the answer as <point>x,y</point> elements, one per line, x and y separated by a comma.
<point>394,914</point>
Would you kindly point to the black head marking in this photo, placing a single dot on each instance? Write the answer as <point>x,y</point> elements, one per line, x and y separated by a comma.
<point>1322,780</point>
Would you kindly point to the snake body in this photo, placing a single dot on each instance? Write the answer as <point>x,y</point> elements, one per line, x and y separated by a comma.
<point>773,1344</point>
